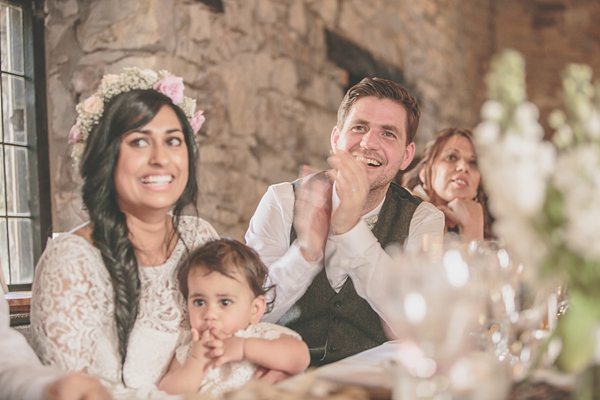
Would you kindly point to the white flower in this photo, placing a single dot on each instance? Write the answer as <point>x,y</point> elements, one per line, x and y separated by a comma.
<point>523,239</point>
<point>563,136</point>
<point>492,110</point>
<point>526,119</point>
<point>556,119</point>
<point>149,75</point>
<point>546,199</point>
<point>593,125</point>
<point>486,133</point>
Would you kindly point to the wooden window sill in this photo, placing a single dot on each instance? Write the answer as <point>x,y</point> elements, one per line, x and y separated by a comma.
<point>18,302</point>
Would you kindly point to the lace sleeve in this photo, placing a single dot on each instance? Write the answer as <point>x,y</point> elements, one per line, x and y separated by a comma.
<point>196,231</point>
<point>71,309</point>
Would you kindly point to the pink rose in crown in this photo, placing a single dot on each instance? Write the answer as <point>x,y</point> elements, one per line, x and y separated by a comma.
<point>172,87</point>
<point>92,105</point>
<point>197,121</point>
<point>74,135</point>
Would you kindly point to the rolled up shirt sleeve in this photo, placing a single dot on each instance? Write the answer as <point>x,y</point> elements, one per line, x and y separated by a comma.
<point>269,235</point>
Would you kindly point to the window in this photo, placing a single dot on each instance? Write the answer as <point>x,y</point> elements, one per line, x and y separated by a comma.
<point>23,152</point>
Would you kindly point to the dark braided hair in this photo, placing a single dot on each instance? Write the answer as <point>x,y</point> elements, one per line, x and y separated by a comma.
<point>122,114</point>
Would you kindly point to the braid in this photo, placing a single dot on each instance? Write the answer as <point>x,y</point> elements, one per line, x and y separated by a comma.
<point>110,236</point>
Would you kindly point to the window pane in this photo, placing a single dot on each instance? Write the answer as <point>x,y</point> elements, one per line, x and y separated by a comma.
<point>20,250</point>
<point>13,109</point>
<point>17,171</point>
<point>2,124</point>
<point>11,30</point>
<point>2,182</point>
<point>4,249</point>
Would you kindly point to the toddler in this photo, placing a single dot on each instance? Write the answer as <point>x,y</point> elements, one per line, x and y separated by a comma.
<point>222,282</point>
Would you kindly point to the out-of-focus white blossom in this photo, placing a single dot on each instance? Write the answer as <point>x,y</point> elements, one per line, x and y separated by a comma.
<point>578,178</point>
<point>592,125</point>
<point>506,79</point>
<point>526,117</point>
<point>557,118</point>
<point>492,110</point>
<point>545,196</point>
<point>563,136</point>
<point>487,133</point>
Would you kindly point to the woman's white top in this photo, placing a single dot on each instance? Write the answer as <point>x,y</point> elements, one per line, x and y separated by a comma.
<point>72,313</point>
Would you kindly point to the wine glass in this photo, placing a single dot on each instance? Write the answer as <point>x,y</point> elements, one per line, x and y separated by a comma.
<point>519,316</point>
<point>436,301</point>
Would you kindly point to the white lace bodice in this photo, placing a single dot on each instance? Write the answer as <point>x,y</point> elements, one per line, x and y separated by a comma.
<point>234,375</point>
<point>72,311</point>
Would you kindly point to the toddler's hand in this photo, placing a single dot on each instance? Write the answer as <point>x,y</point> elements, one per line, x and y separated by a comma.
<point>199,340</point>
<point>225,348</point>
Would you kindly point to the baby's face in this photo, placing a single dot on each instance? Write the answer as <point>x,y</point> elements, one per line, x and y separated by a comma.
<point>218,301</point>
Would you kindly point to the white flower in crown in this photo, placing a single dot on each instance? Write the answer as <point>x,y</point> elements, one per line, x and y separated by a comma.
<point>89,111</point>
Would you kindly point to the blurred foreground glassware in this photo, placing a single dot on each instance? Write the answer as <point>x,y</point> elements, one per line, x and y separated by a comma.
<point>436,302</point>
<point>521,311</point>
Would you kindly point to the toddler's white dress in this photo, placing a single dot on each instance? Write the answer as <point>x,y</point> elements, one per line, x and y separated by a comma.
<point>235,374</point>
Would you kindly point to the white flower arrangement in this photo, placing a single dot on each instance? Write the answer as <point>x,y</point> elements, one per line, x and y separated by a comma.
<point>89,111</point>
<point>545,196</point>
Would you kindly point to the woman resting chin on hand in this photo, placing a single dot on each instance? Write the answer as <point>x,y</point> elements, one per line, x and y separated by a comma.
<point>447,176</point>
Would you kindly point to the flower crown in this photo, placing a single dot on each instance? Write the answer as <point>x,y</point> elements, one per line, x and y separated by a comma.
<point>89,111</point>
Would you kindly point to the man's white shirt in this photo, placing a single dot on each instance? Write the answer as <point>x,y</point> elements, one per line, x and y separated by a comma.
<point>356,254</point>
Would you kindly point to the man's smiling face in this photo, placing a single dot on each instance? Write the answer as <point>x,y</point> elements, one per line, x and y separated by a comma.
<point>374,132</point>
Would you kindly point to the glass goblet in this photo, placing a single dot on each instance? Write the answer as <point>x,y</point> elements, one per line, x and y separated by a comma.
<point>435,303</point>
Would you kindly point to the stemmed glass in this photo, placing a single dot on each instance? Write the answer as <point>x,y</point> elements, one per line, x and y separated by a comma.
<point>519,316</point>
<point>436,302</point>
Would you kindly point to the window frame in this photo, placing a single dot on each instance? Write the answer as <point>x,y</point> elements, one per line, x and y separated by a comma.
<point>34,72</point>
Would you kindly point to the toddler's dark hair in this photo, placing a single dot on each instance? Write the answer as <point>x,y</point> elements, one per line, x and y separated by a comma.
<point>226,256</point>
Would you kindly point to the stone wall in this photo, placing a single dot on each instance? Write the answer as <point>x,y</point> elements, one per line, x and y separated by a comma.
<point>265,76</point>
<point>550,34</point>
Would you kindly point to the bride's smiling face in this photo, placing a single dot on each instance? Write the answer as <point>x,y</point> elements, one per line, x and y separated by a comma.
<point>152,169</point>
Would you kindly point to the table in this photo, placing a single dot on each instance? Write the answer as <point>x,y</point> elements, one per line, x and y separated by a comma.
<point>369,371</point>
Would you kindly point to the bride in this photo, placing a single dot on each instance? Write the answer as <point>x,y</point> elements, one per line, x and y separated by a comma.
<point>106,300</point>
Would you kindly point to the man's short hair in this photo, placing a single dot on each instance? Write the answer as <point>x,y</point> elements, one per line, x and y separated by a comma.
<point>382,89</point>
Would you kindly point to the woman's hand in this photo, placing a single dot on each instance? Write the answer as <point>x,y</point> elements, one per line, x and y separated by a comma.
<point>77,386</point>
<point>467,214</point>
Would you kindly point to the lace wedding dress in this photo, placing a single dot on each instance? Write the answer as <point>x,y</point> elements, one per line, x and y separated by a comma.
<point>72,313</point>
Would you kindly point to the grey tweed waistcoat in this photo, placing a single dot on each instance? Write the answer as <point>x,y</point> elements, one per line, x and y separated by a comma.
<point>338,325</point>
